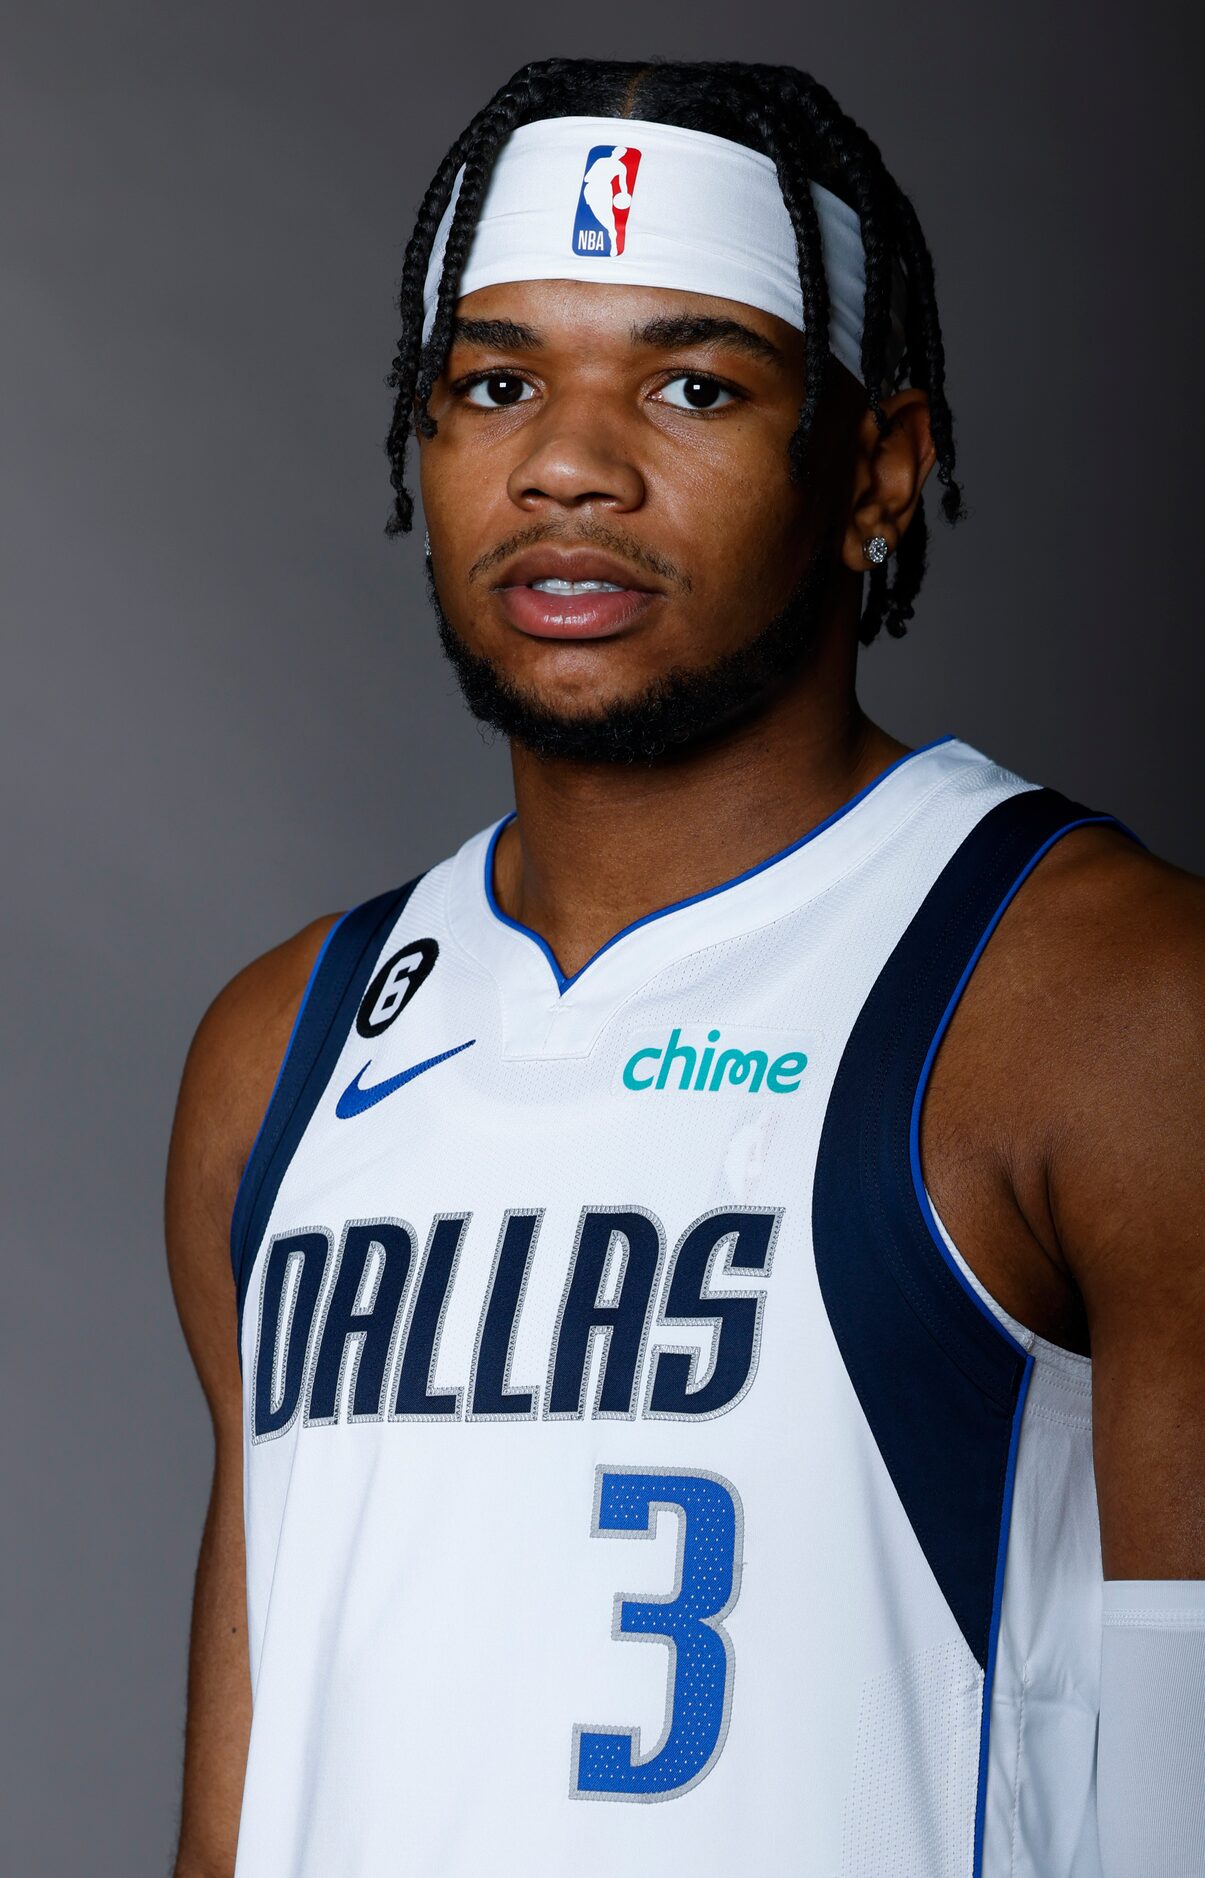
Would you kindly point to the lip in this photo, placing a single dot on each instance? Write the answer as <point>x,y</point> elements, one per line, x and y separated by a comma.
<point>571,616</point>
<point>552,563</point>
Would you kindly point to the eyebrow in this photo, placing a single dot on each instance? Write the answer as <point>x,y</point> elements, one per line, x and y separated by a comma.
<point>703,329</point>
<point>664,333</point>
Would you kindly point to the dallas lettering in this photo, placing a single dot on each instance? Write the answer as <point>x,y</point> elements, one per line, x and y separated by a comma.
<point>310,1330</point>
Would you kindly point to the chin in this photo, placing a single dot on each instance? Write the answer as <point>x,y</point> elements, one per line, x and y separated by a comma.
<point>653,717</point>
<point>573,701</point>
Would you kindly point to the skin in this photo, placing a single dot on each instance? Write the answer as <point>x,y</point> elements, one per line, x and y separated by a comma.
<point>1059,1133</point>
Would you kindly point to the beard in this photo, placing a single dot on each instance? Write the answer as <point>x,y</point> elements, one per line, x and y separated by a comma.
<point>679,710</point>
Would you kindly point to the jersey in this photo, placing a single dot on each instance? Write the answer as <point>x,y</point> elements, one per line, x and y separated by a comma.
<point>637,1477</point>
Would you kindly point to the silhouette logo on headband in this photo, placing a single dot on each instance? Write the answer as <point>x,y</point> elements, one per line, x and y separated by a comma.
<point>605,200</point>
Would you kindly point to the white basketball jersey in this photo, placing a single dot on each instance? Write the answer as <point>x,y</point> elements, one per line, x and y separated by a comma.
<point>637,1479</point>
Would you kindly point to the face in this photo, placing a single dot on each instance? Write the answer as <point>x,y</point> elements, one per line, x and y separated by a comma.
<point>634,437</point>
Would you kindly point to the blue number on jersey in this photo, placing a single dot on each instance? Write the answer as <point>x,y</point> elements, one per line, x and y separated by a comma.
<point>700,1682</point>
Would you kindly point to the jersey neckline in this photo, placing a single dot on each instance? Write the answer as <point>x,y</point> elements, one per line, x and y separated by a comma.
<point>564,981</point>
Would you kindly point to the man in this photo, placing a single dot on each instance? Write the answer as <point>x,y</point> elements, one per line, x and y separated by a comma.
<point>769,1144</point>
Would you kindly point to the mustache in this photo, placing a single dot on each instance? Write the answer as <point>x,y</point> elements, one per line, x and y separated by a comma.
<point>592,534</point>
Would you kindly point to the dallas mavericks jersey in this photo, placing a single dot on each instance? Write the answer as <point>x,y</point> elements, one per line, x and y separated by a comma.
<point>637,1477</point>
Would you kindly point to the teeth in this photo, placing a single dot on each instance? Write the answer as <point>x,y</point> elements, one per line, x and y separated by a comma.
<point>576,586</point>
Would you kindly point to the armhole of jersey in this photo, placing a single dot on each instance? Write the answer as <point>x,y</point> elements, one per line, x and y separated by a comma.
<point>941,1381</point>
<point>337,982</point>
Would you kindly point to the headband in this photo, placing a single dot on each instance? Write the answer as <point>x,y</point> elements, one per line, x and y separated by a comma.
<point>666,207</point>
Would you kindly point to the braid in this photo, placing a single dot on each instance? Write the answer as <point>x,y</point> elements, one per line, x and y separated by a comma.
<point>891,604</point>
<point>860,165</point>
<point>416,368</point>
<point>923,310</point>
<point>404,373</point>
<point>794,120</point>
<point>775,138</point>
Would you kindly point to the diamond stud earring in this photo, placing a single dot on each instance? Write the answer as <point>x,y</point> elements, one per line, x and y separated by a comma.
<point>876,550</point>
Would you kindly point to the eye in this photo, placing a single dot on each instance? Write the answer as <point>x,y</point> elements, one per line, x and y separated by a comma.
<point>699,392</point>
<point>501,389</point>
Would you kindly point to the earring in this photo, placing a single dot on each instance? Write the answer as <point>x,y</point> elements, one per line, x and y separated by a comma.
<point>876,550</point>
<point>427,543</point>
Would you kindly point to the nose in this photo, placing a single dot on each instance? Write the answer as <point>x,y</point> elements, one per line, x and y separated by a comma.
<point>573,456</point>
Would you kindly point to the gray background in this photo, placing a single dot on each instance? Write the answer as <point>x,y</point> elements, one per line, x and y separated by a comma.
<point>224,709</point>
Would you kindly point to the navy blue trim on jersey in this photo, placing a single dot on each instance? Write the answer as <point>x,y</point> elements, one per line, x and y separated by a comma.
<point>940,1379</point>
<point>328,1007</point>
<point>937,1374</point>
<point>564,981</point>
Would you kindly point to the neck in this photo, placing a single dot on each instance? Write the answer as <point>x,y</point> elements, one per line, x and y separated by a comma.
<point>594,847</point>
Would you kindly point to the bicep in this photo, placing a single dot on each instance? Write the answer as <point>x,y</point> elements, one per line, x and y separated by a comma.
<point>202,1171</point>
<point>1128,1192</point>
<point>227,1081</point>
<point>202,1177</point>
<point>1148,1412</point>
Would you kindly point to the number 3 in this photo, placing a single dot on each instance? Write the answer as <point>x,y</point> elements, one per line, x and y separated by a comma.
<point>607,1764</point>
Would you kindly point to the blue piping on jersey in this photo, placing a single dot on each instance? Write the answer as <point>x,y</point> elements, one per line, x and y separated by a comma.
<point>310,982</point>
<point>918,1184</point>
<point>563,982</point>
<point>922,1200</point>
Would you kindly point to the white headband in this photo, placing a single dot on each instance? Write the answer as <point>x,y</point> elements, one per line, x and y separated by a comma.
<point>654,205</point>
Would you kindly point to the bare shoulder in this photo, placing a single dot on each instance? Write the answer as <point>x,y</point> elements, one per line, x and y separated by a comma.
<point>1100,965</point>
<point>1104,980</point>
<point>1100,901</point>
<point>1100,954</point>
<point>232,1065</point>
<point>228,1078</point>
<point>1080,1039</point>
<point>1108,955</point>
<point>1103,941</point>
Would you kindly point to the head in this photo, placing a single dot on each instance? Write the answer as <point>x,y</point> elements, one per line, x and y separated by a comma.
<point>709,457</point>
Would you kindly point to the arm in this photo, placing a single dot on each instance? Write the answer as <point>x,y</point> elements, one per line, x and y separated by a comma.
<point>1127,1194</point>
<point>1126,1180</point>
<point>1061,1133</point>
<point>227,1082</point>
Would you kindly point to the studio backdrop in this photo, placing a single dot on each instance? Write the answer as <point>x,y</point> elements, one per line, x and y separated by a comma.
<point>225,708</point>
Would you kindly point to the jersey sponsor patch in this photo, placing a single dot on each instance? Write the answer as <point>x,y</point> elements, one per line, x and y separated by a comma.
<point>712,1061</point>
<point>605,200</point>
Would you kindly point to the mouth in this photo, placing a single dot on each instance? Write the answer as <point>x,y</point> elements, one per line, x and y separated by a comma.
<point>551,593</point>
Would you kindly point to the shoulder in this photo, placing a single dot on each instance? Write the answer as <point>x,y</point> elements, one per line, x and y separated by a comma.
<point>1107,964</point>
<point>1105,929</point>
<point>1098,962</point>
<point>229,1074</point>
<point>1108,959</point>
<point>1082,1030</point>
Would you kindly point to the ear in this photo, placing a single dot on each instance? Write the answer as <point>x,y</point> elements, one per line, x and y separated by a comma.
<point>889,473</point>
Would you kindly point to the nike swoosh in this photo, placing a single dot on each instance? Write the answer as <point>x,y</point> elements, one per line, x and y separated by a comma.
<point>355,1098</point>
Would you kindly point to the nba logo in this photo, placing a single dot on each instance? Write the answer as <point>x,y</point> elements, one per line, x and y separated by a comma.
<point>605,199</point>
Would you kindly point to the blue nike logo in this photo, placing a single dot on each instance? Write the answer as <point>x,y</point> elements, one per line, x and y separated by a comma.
<point>356,1098</point>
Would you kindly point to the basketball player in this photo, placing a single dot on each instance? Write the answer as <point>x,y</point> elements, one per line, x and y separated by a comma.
<point>603,192</point>
<point>712,1375</point>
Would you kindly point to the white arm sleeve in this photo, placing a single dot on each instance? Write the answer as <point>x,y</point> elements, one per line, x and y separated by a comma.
<point>1150,1773</point>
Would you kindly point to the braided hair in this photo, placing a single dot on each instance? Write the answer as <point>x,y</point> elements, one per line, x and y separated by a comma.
<point>790,117</point>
